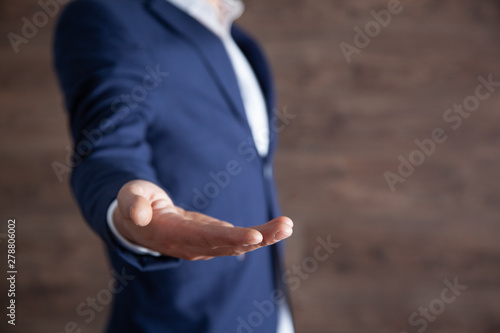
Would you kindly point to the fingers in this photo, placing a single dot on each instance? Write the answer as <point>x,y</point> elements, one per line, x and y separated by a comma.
<point>198,230</point>
<point>226,236</point>
<point>202,230</point>
<point>275,230</point>
<point>221,240</point>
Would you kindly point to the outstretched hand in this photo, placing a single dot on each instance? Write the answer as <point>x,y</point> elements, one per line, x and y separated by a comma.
<point>146,216</point>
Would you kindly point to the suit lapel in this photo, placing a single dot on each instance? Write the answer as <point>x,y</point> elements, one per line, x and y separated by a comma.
<point>209,47</point>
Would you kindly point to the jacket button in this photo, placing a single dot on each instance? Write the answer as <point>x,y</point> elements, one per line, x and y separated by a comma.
<point>268,171</point>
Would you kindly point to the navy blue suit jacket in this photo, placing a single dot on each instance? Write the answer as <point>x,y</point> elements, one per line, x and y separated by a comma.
<point>152,95</point>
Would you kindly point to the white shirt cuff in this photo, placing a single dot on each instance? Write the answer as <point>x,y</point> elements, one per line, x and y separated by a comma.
<point>134,248</point>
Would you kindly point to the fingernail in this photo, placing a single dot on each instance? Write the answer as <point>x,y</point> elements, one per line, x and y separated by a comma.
<point>283,233</point>
<point>288,221</point>
<point>254,241</point>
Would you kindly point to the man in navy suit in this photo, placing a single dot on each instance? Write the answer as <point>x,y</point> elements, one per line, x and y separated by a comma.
<point>171,115</point>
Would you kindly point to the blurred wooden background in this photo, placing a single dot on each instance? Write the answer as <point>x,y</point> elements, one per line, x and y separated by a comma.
<point>351,123</point>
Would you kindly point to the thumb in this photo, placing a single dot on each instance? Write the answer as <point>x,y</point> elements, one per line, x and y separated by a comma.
<point>134,206</point>
<point>140,210</point>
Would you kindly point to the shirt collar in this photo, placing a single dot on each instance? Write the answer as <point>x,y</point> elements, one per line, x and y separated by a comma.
<point>217,16</point>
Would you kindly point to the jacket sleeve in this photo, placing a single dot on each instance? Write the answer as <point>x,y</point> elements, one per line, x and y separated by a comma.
<point>106,78</point>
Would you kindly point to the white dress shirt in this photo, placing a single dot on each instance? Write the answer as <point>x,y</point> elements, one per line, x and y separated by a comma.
<point>218,17</point>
